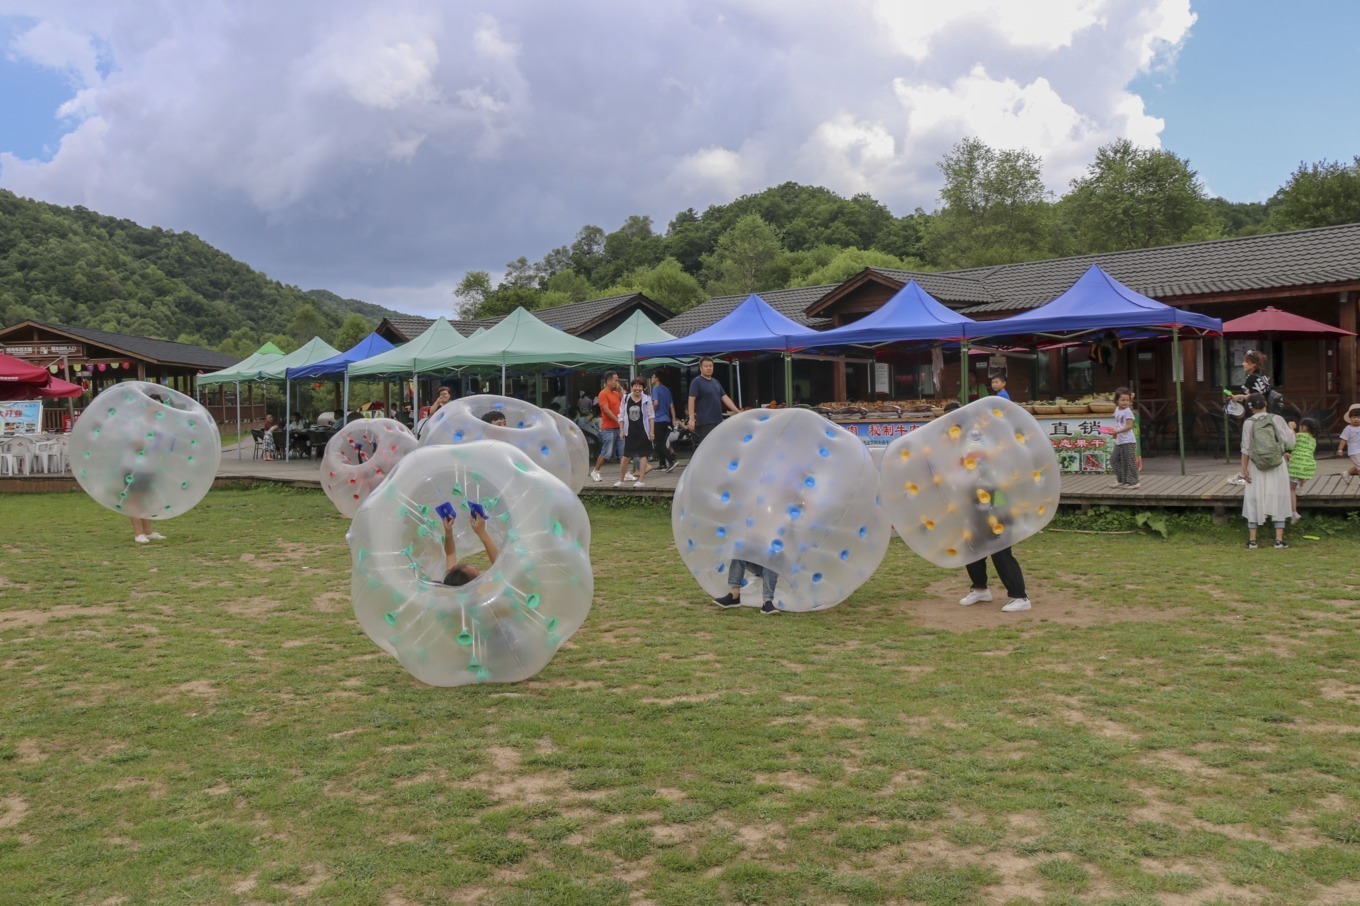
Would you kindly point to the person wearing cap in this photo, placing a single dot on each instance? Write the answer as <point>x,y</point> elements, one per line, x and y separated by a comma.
<point>1350,440</point>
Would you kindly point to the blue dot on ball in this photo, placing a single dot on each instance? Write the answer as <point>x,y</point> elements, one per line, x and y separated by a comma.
<point>544,450</point>
<point>458,435</point>
<point>776,545</point>
<point>810,482</point>
<point>830,433</point>
<point>845,555</point>
<point>816,577</point>
<point>763,418</point>
<point>794,512</point>
<point>725,496</point>
<point>863,531</point>
<point>732,466</point>
<point>823,452</point>
<point>747,438</point>
<point>722,531</point>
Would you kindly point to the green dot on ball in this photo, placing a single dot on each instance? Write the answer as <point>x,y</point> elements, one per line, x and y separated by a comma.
<point>531,602</point>
<point>184,485</point>
<point>390,617</point>
<point>160,415</point>
<point>464,638</point>
<point>112,412</point>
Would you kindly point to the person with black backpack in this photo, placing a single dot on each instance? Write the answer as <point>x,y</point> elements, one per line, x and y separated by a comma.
<point>1265,440</point>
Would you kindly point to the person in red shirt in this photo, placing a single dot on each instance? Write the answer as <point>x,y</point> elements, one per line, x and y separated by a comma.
<point>610,401</point>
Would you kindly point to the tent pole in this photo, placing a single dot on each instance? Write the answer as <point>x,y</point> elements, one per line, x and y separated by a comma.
<point>1223,375</point>
<point>287,416</point>
<point>538,390</point>
<point>788,379</point>
<point>345,406</point>
<point>503,393</point>
<point>737,369</point>
<point>415,398</point>
<point>963,373</point>
<point>1176,372</point>
<point>238,419</point>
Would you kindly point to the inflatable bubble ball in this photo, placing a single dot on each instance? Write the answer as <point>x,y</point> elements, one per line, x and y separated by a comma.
<point>527,428</point>
<point>145,451</point>
<point>970,483</point>
<point>506,623</point>
<point>785,490</point>
<point>577,447</point>
<point>359,457</point>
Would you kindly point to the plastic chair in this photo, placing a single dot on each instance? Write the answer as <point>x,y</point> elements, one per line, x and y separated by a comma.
<point>257,434</point>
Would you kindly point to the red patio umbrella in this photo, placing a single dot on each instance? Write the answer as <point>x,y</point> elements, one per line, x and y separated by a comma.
<point>1281,325</point>
<point>54,389</point>
<point>17,371</point>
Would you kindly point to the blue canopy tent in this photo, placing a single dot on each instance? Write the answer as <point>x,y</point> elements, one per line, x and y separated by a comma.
<point>911,314</point>
<point>1097,303</point>
<point>753,326</point>
<point>338,365</point>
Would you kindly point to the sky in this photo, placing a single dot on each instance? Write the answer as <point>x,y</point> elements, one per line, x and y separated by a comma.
<point>382,149</point>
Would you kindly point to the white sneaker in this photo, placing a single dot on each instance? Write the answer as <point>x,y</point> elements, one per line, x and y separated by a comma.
<point>975,596</point>
<point>630,477</point>
<point>1016,604</point>
<point>1237,479</point>
<point>595,476</point>
<point>156,536</point>
<point>618,484</point>
<point>1294,519</point>
<point>142,539</point>
<point>639,484</point>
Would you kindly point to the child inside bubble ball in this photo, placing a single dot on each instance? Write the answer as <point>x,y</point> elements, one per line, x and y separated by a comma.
<point>462,573</point>
<point>736,573</point>
<point>142,532</point>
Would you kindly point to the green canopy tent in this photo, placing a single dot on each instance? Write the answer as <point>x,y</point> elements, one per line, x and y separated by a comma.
<point>639,329</point>
<point>248,369</point>
<point>315,350</point>
<point>439,337</point>
<point>523,341</point>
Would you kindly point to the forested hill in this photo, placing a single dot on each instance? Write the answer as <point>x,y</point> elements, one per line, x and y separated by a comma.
<point>73,266</point>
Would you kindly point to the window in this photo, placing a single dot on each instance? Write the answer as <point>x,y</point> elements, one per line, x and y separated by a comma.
<point>1273,349</point>
<point>1077,376</point>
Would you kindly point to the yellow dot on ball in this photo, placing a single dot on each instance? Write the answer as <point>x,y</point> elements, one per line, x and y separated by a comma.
<point>928,523</point>
<point>938,479</point>
<point>1042,509</point>
<point>998,413</point>
<point>967,535</point>
<point>954,432</point>
<point>951,552</point>
<point>969,463</point>
<point>1020,437</point>
<point>998,529</point>
<point>905,455</point>
<point>983,496</point>
<point>1038,475</point>
<point>912,489</point>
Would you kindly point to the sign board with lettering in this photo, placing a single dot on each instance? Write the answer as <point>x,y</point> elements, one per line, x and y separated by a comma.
<point>45,350</point>
<point>20,417</point>
<point>1078,442</point>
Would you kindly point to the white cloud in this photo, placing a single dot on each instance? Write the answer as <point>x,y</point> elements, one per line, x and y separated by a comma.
<point>393,146</point>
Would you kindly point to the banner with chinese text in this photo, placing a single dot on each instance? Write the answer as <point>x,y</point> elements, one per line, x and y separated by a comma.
<point>20,417</point>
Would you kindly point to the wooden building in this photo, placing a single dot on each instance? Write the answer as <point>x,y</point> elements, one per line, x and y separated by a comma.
<point>97,358</point>
<point>1314,273</point>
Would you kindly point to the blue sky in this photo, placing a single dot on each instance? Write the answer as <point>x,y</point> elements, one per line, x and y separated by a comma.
<point>382,148</point>
<point>1258,87</point>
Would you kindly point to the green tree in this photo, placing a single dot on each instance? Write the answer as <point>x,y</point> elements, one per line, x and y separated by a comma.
<point>995,208</point>
<point>1326,193</point>
<point>306,324</point>
<point>353,329</point>
<point>745,260</point>
<point>666,284</point>
<point>628,248</point>
<point>845,263</point>
<point>587,252</point>
<point>1134,198</point>
<point>571,286</point>
<point>472,291</point>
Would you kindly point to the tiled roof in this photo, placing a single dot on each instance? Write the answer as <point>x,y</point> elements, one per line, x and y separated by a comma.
<point>788,302</point>
<point>1248,263</point>
<point>410,326</point>
<point>569,318</point>
<point>162,351</point>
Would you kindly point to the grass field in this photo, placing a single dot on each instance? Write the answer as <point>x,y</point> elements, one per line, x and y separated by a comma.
<point>201,720</point>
